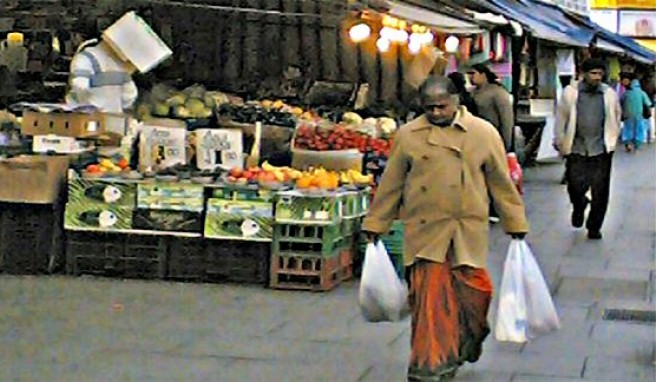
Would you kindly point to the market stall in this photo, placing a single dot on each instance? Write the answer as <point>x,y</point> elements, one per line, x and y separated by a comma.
<point>204,184</point>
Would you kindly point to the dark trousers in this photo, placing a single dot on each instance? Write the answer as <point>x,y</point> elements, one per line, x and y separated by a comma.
<point>590,173</point>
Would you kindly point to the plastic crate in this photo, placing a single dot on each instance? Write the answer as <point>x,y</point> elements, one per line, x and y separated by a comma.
<point>311,273</point>
<point>237,261</point>
<point>31,238</point>
<point>346,260</point>
<point>394,238</point>
<point>318,240</point>
<point>187,259</point>
<point>250,192</point>
<point>116,255</point>
<point>295,207</point>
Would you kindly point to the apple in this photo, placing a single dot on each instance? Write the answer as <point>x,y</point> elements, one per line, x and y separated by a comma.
<point>232,179</point>
<point>248,175</point>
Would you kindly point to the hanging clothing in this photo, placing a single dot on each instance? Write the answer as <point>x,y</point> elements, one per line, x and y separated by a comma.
<point>449,317</point>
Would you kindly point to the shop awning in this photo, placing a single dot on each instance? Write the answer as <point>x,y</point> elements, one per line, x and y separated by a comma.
<point>432,18</point>
<point>545,21</point>
<point>608,46</point>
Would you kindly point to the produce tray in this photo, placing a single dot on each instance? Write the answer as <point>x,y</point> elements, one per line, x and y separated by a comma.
<point>31,238</point>
<point>116,255</point>
<point>294,207</point>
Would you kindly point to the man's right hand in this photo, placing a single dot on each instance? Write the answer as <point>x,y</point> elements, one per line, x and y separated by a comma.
<point>371,237</point>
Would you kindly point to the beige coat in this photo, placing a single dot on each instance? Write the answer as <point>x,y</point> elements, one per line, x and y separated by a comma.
<point>438,179</point>
<point>565,126</point>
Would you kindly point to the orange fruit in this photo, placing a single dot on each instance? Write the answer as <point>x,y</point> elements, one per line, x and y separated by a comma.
<point>304,182</point>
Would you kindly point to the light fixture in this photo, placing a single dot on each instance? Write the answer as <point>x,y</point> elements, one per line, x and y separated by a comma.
<point>421,38</point>
<point>414,46</point>
<point>383,44</point>
<point>451,44</point>
<point>359,32</point>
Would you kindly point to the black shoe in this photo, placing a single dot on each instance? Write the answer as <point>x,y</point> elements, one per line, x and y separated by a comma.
<point>578,215</point>
<point>594,235</point>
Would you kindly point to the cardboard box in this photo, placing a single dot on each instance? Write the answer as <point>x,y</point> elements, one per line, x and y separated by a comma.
<point>219,147</point>
<point>162,147</point>
<point>32,179</point>
<point>295,207</point>
<point>171,197</point>
<point>167,220</point>
<point>135,41</point>
<point>334,160</point>
<point>59,145</point>
<point>239,220</point>
<point>65,124</point>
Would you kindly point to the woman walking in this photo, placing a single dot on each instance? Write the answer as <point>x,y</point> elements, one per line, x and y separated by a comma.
<point>634,103</point>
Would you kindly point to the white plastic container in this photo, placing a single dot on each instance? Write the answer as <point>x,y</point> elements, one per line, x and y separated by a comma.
<point>136,42</point>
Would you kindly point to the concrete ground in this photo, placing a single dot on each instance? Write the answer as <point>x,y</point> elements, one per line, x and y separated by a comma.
<point>93,329</point>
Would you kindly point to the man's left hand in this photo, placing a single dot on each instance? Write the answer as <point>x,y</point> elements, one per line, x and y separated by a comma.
<point>518,235</point>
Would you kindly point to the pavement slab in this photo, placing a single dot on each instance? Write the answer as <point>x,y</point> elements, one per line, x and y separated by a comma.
<point>72,329</point>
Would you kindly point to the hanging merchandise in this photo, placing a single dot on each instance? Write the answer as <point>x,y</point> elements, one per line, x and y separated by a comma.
<point>498,47</point>
<point>565,62</point>
<point>464,50</point>
<point>614,69</point>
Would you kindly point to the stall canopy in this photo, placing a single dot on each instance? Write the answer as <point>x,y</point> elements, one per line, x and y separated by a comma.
<point>546,22</point>
<point>430,17</point>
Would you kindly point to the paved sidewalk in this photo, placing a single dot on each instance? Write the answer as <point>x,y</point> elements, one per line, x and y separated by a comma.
<point>89,329</point>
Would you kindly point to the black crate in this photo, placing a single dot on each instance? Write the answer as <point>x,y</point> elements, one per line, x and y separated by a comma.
<point>116,255</point>
<point>30,238</point>
<point>237,261</point>
<point>187,259</point>
<point>166,220</point>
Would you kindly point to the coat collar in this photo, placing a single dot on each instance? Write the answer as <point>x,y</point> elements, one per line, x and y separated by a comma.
<point>461,120</point>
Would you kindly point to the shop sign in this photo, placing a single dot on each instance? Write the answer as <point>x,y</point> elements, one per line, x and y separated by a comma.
<point>638,23</point>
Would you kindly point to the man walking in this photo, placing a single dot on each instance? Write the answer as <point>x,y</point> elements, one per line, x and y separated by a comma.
<point>438,176</point>
<point>586,132</point>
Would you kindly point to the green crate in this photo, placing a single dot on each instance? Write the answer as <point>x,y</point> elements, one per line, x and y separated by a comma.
<point>170,197</point>
<point>239,220</point>
<point>109,193</point>
<point>251,192</point>
<point>97,217</point>
<point>317,240</point>
<point>295,207</point>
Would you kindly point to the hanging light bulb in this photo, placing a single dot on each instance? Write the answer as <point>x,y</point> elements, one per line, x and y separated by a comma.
<point>387,33</point>
<point>414,46</point>
<point>383,44</point>
<point>359,32</point>
<point>400,36</point>
<point>451,44</point>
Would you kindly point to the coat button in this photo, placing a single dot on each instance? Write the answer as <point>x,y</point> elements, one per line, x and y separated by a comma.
<point>424,188</point>
<point>422,221</point>
<point>425,157</point>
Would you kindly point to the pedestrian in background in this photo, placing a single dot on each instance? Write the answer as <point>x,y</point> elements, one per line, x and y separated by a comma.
<point>586,132</point>
<point>466,99</point>
<point>438,176</point>
<point>636,111</point>
<point>493,102</point>
<point>493,105</point>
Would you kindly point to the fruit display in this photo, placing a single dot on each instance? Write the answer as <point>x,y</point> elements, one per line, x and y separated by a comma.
<point>338,138</point>
<point>193,102</point>
<point>271,114</point>
<point>108,166</point>
<point>267,175</point>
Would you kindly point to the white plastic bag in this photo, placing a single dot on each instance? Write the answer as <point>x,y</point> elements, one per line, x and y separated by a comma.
<point>526,309</point>
<point>512,312</point>
<point>383,296</point>
<point>541,313</point>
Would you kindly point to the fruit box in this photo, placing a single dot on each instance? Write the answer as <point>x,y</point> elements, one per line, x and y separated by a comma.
<point>167,220</point>
<point>102,192</point>
<point>99,217</point>
<point>174,197</point>
<point>309,208</point>
<point>239,220</point>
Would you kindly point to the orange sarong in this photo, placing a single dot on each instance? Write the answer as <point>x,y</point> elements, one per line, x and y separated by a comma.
<point>449,318</point>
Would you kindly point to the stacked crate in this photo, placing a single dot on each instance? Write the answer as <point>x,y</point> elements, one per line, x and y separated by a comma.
<point>238,229</point>
<point>313,242</point>
<point>172,207</point>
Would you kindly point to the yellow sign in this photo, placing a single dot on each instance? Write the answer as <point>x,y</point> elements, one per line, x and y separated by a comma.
<point>649,44</point>
<point>621,4</point>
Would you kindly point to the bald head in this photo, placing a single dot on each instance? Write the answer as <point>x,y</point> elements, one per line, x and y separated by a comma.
<point>440,100</point>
